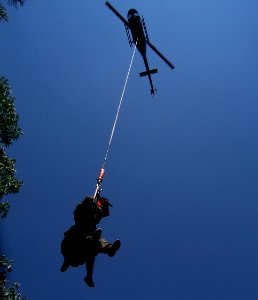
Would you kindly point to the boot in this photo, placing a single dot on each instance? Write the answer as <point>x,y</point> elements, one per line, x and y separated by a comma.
<point>64,266</point>
<point>90,260</point>
<point>113,248</point>
<point>88,280</point>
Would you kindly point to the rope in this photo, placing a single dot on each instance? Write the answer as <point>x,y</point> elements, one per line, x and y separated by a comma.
<point>102,170</point>
<point>118,109</point>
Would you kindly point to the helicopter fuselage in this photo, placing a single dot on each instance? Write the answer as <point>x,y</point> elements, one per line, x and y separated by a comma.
<point>139,39</point>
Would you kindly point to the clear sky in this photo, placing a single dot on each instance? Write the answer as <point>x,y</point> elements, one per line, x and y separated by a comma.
<point>182,172</point>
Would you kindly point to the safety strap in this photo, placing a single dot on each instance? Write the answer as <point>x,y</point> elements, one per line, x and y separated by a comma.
<point>102,170</point>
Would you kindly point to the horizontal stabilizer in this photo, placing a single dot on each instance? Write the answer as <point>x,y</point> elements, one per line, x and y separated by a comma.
<point>153,71</point>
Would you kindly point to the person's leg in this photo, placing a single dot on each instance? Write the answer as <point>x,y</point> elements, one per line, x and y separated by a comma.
<point>108,248</point>
<point>90,260</point>
<point>64,266</point>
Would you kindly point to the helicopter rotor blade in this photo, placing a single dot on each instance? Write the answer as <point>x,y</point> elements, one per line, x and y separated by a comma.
<point>160,55</point>
<point>117,14</point>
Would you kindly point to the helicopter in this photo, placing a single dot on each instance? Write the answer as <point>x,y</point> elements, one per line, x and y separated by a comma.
<point>137,34</point>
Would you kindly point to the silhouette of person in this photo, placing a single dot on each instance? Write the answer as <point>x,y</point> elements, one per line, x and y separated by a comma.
<point>83,242</point>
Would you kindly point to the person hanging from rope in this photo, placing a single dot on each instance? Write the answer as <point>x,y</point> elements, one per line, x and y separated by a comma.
<point>83,242</point>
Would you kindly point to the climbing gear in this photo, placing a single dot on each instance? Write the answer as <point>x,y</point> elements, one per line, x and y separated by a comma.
<point>99,182</point>
<point>103,204</point>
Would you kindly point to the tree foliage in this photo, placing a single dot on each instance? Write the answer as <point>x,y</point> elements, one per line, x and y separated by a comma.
<point>8,290</point>
<point>15,2</point>
<point>9,184</point>
<point>9,131</point>
<point>9,128</point>
<point>3,13</point>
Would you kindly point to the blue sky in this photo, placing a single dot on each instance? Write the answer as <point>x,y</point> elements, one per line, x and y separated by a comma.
<point>182,172</point>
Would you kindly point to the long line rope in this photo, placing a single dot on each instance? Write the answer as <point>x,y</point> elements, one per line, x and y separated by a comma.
<point>102,170</point>
<point>118,109</point>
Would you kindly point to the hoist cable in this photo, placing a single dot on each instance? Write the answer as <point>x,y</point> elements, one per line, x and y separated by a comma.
<point>102,170</point>
<point>118,109</point>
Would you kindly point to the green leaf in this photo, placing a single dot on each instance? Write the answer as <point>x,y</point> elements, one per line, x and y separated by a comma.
<point>9,128</point>
<point>3,14</point>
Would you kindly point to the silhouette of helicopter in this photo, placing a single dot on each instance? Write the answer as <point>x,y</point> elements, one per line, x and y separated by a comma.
<point>139,37</point>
